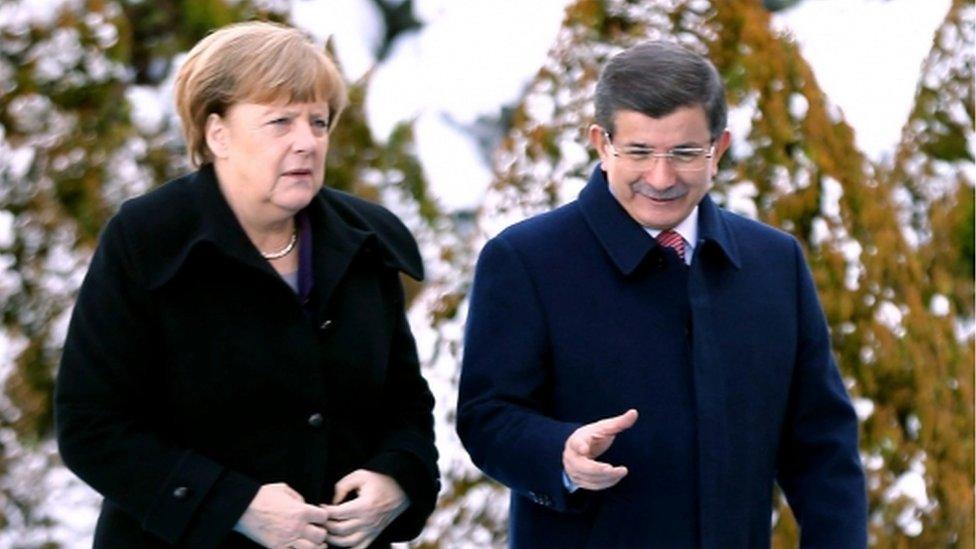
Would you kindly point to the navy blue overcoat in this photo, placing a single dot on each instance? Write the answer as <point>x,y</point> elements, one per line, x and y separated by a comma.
<point>577,315</point>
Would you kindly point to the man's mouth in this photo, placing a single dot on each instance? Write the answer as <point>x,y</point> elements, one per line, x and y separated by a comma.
<point>662,197</point>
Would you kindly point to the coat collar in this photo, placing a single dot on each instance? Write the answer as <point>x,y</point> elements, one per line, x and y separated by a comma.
<point>206,217</point>
<point>627,243</point>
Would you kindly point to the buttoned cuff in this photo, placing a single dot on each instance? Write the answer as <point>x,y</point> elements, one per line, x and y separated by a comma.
<point>199,503</point>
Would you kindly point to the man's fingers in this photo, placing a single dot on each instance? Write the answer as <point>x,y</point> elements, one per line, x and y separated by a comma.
<point>616,424</point>
<point>590,469</point>
<point>593,439</point>
<point>581,447</point>
<point>600,481</point>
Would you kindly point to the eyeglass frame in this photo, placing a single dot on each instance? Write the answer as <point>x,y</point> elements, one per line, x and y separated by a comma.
<point>669,155</point>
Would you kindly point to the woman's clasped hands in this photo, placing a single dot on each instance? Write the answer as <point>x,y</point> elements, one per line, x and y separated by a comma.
<point>365,503</point>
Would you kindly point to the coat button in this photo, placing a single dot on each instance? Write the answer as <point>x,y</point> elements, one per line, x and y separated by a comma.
<point>181,492</point>
<point>316,420</point>
<point>326,325</point>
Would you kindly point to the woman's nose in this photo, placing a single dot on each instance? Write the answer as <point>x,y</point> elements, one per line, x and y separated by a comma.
<point>305,137</point>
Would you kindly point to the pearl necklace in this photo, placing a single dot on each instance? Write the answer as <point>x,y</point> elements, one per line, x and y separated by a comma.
<point>278,254</point>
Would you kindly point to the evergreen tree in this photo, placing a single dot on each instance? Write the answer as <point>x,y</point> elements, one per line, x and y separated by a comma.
<point>86,122</point>
<point>932,180</point>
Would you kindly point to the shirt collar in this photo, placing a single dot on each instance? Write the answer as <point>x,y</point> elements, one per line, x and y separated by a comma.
<point>688,229</point>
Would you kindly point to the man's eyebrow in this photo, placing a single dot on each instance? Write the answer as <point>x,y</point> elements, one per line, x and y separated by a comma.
<point>637,145</point>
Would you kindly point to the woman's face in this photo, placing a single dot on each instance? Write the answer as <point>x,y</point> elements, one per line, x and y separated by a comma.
<point>270,156</point>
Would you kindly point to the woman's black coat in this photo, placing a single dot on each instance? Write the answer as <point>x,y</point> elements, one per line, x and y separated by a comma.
<point>192,373</point>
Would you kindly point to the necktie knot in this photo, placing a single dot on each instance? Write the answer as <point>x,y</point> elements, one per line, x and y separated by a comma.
<point>671,239</point>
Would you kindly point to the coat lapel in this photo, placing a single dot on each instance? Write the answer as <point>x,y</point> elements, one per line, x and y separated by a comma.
<point>338,233</point>
<point>625,241</point>
<point>337,243</point>
<point>205,218</point>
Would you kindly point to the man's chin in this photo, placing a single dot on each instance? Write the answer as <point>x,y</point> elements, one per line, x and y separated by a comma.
<point>663,215</point>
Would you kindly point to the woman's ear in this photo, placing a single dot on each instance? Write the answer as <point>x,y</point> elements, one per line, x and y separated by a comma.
<point>215,133</point>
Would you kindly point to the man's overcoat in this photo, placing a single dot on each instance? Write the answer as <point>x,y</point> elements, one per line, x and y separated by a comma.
<point>192,373</point>
<point>569,324</point>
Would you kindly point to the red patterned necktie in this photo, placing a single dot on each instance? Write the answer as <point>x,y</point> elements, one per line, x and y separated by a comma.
<point>673,240</point>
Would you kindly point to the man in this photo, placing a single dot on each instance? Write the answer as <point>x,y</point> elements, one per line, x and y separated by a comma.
<point>640,365</point>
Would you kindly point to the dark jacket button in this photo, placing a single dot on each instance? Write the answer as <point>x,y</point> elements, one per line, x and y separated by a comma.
<point>181,492</point>
<point>325,325</point>
<point>316,420</point>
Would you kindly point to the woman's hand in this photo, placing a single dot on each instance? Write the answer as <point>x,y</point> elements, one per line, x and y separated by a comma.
<point>357,522</point>
<point>279,517</point>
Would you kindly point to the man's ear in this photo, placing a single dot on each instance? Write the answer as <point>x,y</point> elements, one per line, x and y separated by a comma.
<point>598,141</point>
<point>721,145</point>
<point>215,133</point>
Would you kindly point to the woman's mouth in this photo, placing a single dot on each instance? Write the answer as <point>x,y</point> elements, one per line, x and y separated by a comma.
<point>298,173</point>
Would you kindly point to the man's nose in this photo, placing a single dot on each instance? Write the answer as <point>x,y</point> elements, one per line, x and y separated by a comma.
<point>659,174</point>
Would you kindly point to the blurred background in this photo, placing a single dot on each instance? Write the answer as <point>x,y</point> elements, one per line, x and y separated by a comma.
<point>852,125</point>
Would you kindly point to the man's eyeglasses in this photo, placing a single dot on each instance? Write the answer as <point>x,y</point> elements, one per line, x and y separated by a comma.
<point>680,159</point>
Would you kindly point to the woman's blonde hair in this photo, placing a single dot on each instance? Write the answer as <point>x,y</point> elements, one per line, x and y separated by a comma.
<point>256,62</point>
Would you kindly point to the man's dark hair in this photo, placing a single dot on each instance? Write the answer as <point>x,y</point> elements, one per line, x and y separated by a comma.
<point>657,78</point>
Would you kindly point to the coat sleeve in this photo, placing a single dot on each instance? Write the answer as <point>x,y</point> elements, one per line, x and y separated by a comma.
<point>407,454</point>
<point>506,380</point>
<point>108,433</point>
<point>819,468</point>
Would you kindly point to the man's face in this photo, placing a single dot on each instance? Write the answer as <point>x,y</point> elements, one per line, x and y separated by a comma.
<point>657,192</point>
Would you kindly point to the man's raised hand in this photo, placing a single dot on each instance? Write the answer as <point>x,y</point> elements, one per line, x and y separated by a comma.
<point>587,443</point>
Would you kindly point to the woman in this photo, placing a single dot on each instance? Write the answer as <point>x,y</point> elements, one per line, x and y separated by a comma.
<point>238,369</point>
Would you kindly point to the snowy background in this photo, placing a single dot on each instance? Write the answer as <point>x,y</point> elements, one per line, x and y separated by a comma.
<point>471,59</point>
<point>455,78</point>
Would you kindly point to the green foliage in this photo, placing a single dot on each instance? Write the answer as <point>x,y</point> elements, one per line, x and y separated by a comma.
<point>919,376</point>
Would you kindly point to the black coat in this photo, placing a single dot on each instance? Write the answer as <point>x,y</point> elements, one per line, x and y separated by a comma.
<point>192,374</point>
